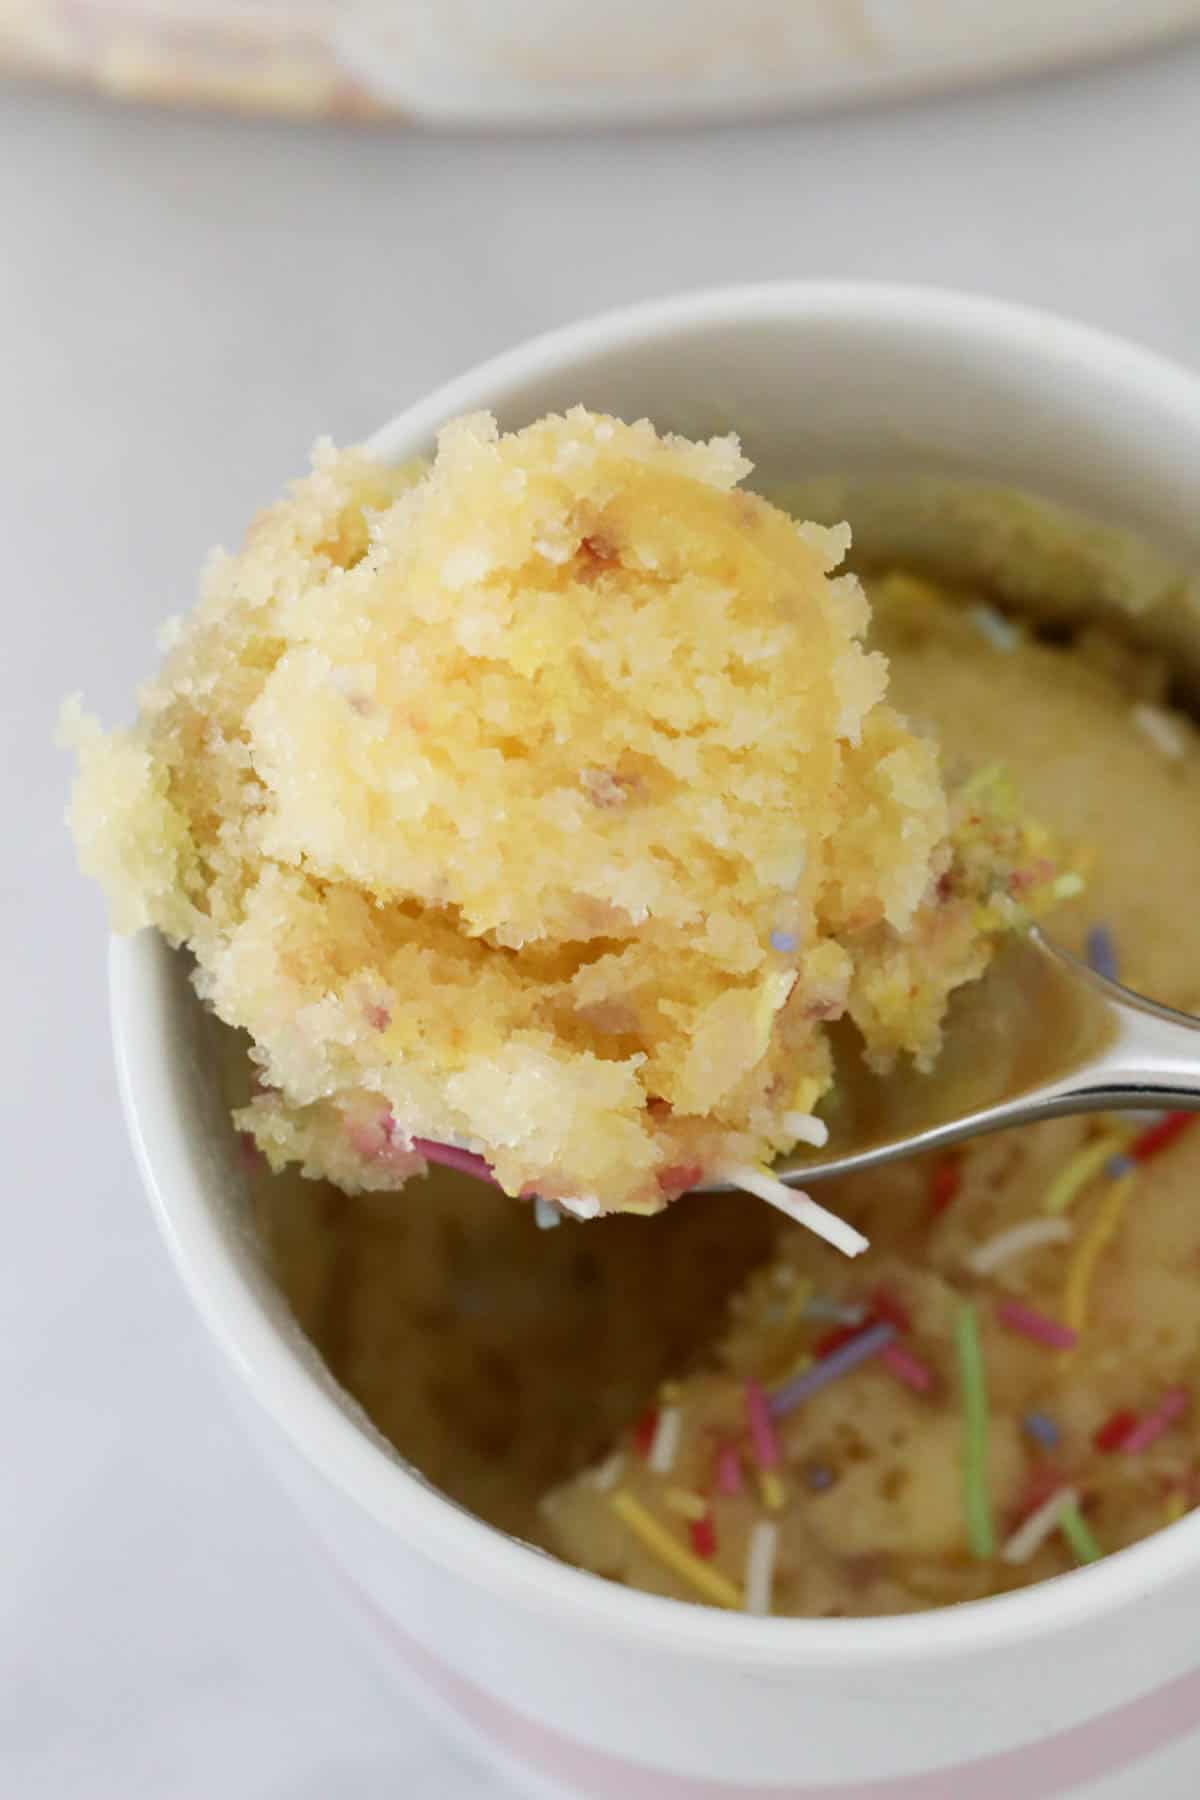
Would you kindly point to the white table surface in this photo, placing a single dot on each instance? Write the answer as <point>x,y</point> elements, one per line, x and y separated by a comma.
<point>185,303</point>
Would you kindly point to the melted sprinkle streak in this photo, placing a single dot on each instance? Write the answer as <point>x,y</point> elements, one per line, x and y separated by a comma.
<point>1101,952</point>
<point>860,1349</point>
<point>1161,730</point>
<point>1033,1234</point>
<point>1028,1322</point>
<point>1102,1230</point>
<point>798,1206</point>
<point>977,1500</point>
<point>674,1555</point>
<point>762,1432</point>
<point>1077,1533</point>
<point>1078,1170</point>
<point>760,1567</point>
<point>1171,1407</point>
<point>729,1471</point>
<point>1042,1429</point>
<point>907,1368</point>
<point>664,1446</point>
<point>1041,1524</point>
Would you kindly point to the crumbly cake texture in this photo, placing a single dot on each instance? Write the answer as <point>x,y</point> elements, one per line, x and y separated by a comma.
<point>544,803</point>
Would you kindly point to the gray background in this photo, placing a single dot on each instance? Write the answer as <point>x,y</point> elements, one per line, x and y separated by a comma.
<point>185,303</point>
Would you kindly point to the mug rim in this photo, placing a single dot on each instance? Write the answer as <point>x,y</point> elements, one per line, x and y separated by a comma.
<point>322,1430</point>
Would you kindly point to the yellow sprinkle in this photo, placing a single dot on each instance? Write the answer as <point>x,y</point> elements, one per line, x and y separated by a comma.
<point>646,1528</point>
<point>802,1362</point>
<point>685,1503</point>
<point>1081,1267</point>
<point>1067,886</point>
<point>806,1095</point>
<point>773,1492</point>
<point>1175,1507</point>
<point>670,1393</point>
<point>1079,1169</point>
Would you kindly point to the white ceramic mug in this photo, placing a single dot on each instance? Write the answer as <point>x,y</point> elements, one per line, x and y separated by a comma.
<point>591,1689</point>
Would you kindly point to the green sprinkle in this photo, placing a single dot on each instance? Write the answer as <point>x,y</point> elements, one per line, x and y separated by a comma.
<point>977,1499</point>
<point>1078,1534</point>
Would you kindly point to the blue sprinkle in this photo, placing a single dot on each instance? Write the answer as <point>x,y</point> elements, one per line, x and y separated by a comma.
<point>1101,952</point>
<point>817,1477</point>
<point>1041,1426</point>
<point>1116,1166</point>
<point>545,1214</point>
<point>783,941</point>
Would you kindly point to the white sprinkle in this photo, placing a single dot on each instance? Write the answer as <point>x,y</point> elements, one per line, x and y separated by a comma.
<point>760,1567</point>
<point>806,1128</point>
<point>1034,1234</point>
<point>607,1474</point>
<point>818,1307</point>
<point>585,1207</point>
<point>1028,1538</point>
<point>798,1206</point>
<point>664,1445</point>
<point>1162,730</point>
<point>545,1214</point>
<point>1000,633</point>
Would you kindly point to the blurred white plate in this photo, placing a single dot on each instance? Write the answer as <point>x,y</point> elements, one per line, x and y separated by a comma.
<point>522,62</point>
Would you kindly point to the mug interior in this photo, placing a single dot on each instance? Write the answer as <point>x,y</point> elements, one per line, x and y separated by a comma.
<point>880,389</point>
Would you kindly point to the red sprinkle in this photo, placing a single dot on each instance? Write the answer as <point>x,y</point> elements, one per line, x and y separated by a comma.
<point>1043,1481</point>
<point>703,1534</point>
<point>907,1368</point>
<point>465,1161</point>
<point>944,1184</point>
<point>884,1305</point>
<point>1150,1142</point>
<point>1115,1430</point>
<point>644,1430</point>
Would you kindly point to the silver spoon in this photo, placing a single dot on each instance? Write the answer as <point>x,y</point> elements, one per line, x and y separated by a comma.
<point>1040,1035</point>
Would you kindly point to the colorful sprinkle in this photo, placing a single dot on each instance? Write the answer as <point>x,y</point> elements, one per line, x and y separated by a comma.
<point>664,1446</point>
<point>1170,1409</point>
<point>885,1305</point>
<point>760,1566</point>
<point>1042,1428</point>
<point>685,1503</point>
<point>1157,1137</point>
<point>545,1214</point>
<point>1078,1170</point>
<point>1115,1429</point>
<point>806,1128</point>
<point>729,1470</point>
<point>607,1474</point>
<point>774,1494</point>
<point>644,1431</point>
<point>674,1555</point>
<point>1119,1165</point>
<point>1102,952</point>
<point>1028,1322</point>
<point>1101,1231</point>
<point>907,1368</point>
<point>799,1206</point>
<point>1065,887</point>
<point>1000,633</point>
<point>1041,1524</point>
<point>1078,1534</point>
<point>1161,730</point>
<point>1032,1234</point>
<point>762,1432</point>
<point>818,1477</point>
<point>703,1535</point>
<point>860,1348</point>
<point>977,1500</point>
<point>818,1306</point>
<point>452,1157</point>
<point>1174,1506</point>
<point>944,1184</point>
<point>784,942</point>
